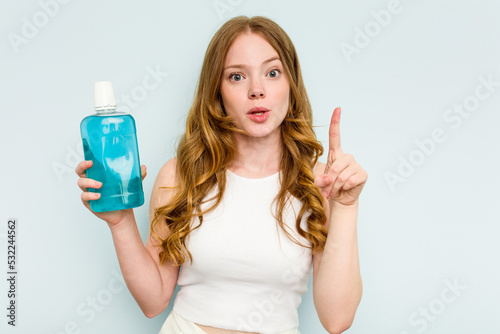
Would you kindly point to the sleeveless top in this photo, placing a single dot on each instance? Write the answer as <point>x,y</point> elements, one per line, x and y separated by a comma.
<point>246,274</point>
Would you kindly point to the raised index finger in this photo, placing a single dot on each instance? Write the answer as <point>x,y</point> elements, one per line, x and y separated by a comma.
<point>334,133</point>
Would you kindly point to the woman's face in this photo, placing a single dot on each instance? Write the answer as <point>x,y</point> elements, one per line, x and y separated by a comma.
<point>253,77</point>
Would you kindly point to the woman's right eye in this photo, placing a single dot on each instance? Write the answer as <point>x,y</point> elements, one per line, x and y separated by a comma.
<point>235,77</point>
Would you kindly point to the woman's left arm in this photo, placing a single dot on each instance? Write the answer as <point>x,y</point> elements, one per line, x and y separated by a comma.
<point>337,285</point>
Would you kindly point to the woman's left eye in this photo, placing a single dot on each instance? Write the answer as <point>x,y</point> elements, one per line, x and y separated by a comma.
<point>274,73</point>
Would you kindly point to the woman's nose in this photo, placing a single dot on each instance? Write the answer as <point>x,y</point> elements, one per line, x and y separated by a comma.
<point>256,90</point>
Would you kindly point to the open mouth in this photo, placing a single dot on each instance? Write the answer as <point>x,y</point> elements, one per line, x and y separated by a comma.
<point>258,111</point>
<point>259,114</point>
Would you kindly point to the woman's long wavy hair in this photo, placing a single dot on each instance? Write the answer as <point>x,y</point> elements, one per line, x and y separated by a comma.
<point>208,147</point>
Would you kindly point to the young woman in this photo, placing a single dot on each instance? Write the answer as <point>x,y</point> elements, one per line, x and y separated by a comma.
<point>245,207</point>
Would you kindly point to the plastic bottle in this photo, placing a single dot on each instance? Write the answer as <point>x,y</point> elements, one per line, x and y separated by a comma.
<point>110,141</point>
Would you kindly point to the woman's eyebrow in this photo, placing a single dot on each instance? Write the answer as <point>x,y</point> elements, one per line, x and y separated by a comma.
<point>243,66</point>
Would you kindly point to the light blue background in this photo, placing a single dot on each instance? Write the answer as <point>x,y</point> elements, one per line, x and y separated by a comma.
<point>439,225</point>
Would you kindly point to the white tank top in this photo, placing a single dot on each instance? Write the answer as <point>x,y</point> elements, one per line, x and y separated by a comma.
<point>241,278</point>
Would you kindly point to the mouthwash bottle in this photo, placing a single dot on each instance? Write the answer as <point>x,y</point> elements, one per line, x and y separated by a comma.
<point>110,141</point>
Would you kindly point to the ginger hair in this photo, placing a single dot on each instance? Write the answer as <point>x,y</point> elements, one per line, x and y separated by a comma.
<point>207,147</point>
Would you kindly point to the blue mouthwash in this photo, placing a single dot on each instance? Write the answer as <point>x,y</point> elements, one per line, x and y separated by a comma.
<point>110,141</point>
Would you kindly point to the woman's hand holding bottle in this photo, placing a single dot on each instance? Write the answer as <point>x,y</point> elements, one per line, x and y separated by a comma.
<point>111,217</point>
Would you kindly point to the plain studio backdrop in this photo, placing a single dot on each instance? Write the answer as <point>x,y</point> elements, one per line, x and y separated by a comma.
<point>419,87</point>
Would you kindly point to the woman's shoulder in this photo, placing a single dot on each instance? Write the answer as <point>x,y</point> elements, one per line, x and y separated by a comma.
<point>163,186</point>
<point>167,174</point>
<point>169,167</point>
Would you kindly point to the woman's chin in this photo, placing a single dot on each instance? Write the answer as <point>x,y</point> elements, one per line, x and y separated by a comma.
<point>261,134</point>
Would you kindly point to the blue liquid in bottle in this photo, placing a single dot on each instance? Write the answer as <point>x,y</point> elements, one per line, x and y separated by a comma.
<point>110,141</point>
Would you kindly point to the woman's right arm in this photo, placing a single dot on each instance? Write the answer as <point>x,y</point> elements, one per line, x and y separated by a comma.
<point>151,284</point>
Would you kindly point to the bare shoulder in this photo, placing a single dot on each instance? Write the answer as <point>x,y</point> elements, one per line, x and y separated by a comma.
<point>163,189</point>
<point>166,174</point>
<point>165,180</point>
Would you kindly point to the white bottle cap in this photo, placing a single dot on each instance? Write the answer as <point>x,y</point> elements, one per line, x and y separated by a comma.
<point>104,97</point>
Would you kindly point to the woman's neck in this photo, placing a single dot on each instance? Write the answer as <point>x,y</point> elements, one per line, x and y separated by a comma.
<point>257,156</point>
